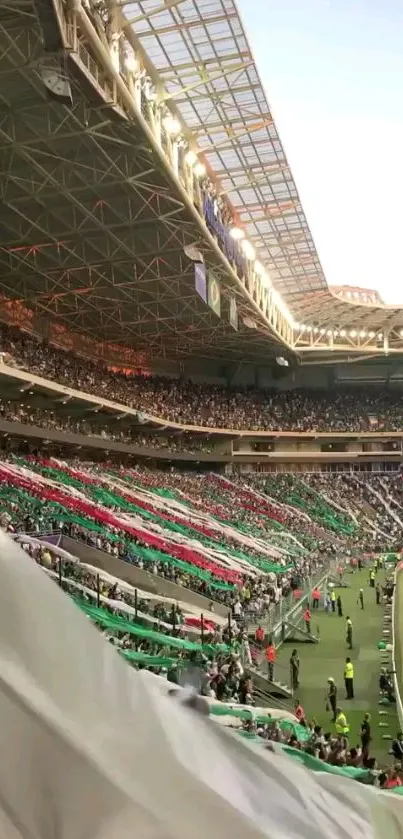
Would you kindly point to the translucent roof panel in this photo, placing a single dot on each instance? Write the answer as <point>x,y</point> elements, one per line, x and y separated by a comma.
<point>200,49</point>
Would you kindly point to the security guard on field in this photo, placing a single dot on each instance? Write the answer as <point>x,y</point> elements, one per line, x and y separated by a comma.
<point>333,599</point>
<point>342,726</point>
<point>349,678</point>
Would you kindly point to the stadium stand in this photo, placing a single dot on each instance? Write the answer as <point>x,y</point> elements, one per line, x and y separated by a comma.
<point>132,242</point>
<point>208,406</point>
<point>151,631</point>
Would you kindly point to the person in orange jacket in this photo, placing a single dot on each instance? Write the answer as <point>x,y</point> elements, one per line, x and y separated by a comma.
<point>307,620</point>
<point>270,658</point>
<point>259,635</point>
<point>315,598</point>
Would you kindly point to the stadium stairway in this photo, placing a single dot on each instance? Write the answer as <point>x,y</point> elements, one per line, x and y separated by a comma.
<point>291,632</point>
<point>265,688</point>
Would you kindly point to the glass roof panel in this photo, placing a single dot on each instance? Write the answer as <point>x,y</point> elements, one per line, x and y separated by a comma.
<point>200,50</point>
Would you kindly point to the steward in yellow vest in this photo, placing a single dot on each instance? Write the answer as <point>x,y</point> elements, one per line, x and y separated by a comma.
<point>342,726</point>
<point>349,678</point>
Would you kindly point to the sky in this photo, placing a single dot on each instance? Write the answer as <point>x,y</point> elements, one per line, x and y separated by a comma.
<point>333,75</point>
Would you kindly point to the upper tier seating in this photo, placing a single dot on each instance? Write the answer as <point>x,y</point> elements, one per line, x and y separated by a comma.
<point>210,406</point>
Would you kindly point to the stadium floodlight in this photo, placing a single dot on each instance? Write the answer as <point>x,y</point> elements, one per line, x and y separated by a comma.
<point>237,233</point>
<point>343,333</point>
<point>322,331</point>
<point>191,157</point>
<point>259,268</point>
<point>131,63</point>
<point>171,125</point>
<point>401,333</point>
<point>248,249</point>
<point>353,333</point>
<point>296,325</point>
<point>336,333</point>
<point>200,170</point>
<point>316,330</point>
<point>265,280</point>
<point>363,333</point>
<point>310,328</point>
<point>380,336</point>
<point>371,334</point>
<point>329,333</point>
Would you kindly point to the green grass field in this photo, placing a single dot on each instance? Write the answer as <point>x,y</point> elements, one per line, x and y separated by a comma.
<point>327,658</point>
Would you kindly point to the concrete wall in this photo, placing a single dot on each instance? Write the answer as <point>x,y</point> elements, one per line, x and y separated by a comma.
<point>136,576</point>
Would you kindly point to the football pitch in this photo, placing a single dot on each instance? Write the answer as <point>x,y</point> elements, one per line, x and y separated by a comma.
<point>327,658</point>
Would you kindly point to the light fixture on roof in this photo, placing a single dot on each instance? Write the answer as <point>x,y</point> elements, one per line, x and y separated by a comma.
<point>363,333</point>
<point>171,125</point>
<point>380,336</point>
<point>248,249</point>
<point>316,330</point>
<point>401,333</point>
<point>237,233</point>
<point>131,63</point>
<point>322,331</point>
<point>295,325</point>
<point>371,334</point>
<point>343,333</point>
<point>259,268</point>
<point>191,157</point>
<point>329,333</point>
<point>353,333</point>
<point>199,170</point>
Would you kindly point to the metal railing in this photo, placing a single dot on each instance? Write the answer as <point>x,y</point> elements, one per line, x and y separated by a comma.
<point>269,619</point>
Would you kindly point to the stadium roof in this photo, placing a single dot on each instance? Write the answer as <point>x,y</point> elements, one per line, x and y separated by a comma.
<point>201,52</point>
<point>96,220</point>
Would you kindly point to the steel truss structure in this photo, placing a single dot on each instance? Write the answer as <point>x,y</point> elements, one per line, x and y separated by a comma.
<point>99,210</point>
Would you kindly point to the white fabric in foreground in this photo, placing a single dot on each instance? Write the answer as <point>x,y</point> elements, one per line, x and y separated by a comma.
<point>92,748</point>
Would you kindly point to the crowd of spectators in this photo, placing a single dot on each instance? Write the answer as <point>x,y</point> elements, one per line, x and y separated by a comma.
<point>334,749</point>
<point>222,674</point>
<point>43,418</point>
<point>177,400</point>
<point>219,665</point>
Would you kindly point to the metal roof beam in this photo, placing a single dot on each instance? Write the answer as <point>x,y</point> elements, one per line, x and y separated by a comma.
<point>206,79</point>
<point>175,27</point>
<point>218,94</point>
<point>221,126</point>
<point>175,69</point>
